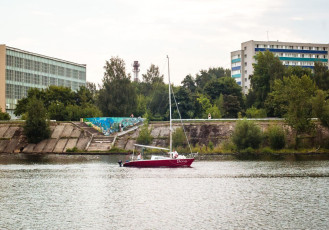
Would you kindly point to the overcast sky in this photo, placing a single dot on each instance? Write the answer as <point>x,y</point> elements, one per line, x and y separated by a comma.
<point>196,34</point>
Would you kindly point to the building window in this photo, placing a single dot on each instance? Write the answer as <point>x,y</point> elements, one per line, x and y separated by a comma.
<point>245,48</point>
<point>245,63</point>
<point>245,71</point>
<point>246,79</point>
<point>245,56</point>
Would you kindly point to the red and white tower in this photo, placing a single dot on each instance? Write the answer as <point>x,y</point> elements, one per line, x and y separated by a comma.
<point>136,70</point>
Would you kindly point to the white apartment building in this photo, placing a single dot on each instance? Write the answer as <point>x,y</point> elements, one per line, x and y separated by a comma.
<point>290,53</point>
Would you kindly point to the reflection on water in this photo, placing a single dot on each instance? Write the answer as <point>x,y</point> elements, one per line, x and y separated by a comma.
<point>79,192</point>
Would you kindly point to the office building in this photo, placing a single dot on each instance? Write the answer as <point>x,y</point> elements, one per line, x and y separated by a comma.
<point>290,54</point>
<point>21,70</point>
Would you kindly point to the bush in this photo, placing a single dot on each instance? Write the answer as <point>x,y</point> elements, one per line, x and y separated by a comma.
<point>256,113</point>
<point>246,134</point>
<point>144,137</point>
<point>4,115</point>
<point>276,137</point>
<point>178,137</point>
<point>36,126</point>
<point>73,150</point>
<point>211,145</point>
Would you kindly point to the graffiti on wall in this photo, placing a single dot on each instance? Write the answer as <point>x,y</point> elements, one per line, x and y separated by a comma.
<point>109,125</point>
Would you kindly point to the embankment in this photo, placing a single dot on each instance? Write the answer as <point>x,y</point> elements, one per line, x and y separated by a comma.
<point>68,135</point>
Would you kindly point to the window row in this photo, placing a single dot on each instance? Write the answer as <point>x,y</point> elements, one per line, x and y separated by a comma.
<point>35,79</point>
<point>300,63</point>
<point>44,67</point>
<point>291,47</point>
<point>300,55</point>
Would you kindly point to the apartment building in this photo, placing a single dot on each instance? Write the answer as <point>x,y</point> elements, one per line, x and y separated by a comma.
<point>290,54</point>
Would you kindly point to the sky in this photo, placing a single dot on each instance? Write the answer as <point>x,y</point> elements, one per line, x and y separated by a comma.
<point>195,34</point>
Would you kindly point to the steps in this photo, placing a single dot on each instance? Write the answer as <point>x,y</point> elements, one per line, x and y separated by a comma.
<point>99,141</point>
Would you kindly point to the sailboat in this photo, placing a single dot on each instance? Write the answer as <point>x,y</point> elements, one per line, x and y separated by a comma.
<point>172,160</point>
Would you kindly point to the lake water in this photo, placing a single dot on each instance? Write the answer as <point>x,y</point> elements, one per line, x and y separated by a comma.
<point>74,192</point>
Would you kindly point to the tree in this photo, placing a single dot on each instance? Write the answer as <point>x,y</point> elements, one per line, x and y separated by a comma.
<point>320,106</point>
<point>185,103</point>
<point>189,83</point>
<point>153,75</point>
<point>117,96</point>
<point>276,137</point>
<point>297,71</point>
<point>4,115</point>
<point>36,126</point>
<point>267,69</point>
<point>293,95</point>
<point>225,86</point>
<point>231,106</point>
<point>211,74</point>
<point>321,75</point>
<point>256,113</point>
<point>246,134</point>
<point>145,137</point>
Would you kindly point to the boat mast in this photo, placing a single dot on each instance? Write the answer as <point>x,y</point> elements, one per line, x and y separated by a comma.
<point>170,129</point>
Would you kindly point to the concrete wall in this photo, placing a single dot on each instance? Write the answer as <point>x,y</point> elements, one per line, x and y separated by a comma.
<point>63,137</point>
<point>216,132</point>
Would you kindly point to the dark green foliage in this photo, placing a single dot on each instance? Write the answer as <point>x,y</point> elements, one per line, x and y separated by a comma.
<point>179,139</point>
<point>36,126</point>
<point>276,137</point>
<point>292,96</point>
<point>152,75</point>
<point>297,71</point>
<point>231,106</point>
<point>246,134</point>
<point>267,69</point>
<point>321,75</point>
<point>320,106</point>
<point>189,84</point>
<point>61,103</point>
<point>117,97</point>
<point>4,115</point>
<point>211,74</point>
<point>144,137</point>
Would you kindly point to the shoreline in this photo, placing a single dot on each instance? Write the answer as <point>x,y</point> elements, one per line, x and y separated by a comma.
<point>288,156</point>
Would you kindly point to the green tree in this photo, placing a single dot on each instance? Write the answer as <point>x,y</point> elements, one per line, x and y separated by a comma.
<point>189,83</point>
<point>144,136</point>
<point>320,106</point>
<point>153,75</point>
<point>256,113</point>
<point>297,71</point>
<point>293,95</point>
<point>211,74</point>
<point>321,75</point>
<point>276,137</point>
<point>4,115</point>
<point>267,69</point>
<point>36,126</point>
<point>178,137</point>
<point>246,134</point>
<point>231,106</point>
<point>117,96</point>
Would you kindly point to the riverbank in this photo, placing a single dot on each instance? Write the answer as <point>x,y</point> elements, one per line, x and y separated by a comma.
<point>288,156</point>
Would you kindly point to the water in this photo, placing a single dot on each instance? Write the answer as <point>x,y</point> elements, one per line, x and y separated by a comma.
<point>94,193</point>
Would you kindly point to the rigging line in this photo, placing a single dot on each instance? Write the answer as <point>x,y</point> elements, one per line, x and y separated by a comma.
<point>180,117</point>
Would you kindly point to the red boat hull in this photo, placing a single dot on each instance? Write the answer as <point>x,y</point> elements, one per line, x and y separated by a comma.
<point>169,163</point>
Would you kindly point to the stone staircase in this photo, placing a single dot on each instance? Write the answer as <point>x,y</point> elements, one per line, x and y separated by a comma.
<point>99,141</point>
